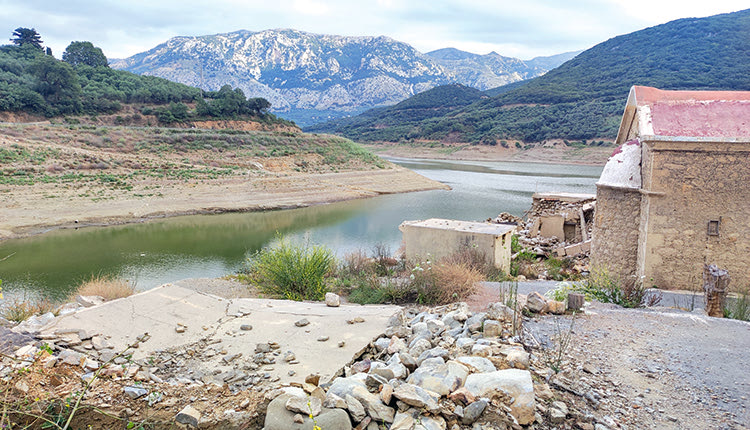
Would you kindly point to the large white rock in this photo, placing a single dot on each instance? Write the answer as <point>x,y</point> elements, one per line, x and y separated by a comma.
<point>515,383</point>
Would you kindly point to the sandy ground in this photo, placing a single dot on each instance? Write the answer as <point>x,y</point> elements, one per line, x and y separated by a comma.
<point>30,210</point>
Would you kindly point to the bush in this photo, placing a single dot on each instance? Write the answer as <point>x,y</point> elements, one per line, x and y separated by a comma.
<point>20,309</point>
<point>291,271</point>
<point>607,288</point>
<point>443,283</point>
<point>739,308</point>
<point>107,287</point>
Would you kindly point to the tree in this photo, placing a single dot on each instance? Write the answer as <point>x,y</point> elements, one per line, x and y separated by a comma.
<point>58,83</point>
<point>27,36</point>
<point>84,53</point>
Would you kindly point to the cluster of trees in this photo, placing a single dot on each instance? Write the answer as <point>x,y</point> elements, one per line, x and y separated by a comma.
<point>33,81</point>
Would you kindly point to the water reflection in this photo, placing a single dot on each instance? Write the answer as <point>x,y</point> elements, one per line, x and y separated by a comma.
<point>213,245</point>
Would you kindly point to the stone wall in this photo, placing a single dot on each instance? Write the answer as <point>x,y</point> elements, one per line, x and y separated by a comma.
<point>615,236</point>
<point>689,185</point>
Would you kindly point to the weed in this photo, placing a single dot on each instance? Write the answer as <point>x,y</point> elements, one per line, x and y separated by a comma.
<point>292,271</point>
<point>107,287</point>
<point>21,308</point>
<point>562,339</point>
<point>738,308</point>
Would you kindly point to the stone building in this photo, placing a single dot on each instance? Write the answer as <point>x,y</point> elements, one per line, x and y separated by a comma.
<point>675,194</point>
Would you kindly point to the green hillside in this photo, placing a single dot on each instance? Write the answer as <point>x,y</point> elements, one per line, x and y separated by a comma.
<point>583,98</point>
<point>396,122</point>
<point>34,82</point>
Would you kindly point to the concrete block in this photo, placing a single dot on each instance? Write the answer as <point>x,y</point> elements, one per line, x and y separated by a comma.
<point>552,226</point>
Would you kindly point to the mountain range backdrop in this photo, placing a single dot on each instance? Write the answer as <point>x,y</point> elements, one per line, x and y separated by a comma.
<point>376,89</point>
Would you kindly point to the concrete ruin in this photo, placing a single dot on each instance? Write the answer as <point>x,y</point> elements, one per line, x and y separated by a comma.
<point>674,194</point>
<point>564,219</point>
<point>438,238</point>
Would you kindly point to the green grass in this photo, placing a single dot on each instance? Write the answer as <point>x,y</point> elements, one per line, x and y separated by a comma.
<point>292,271</point>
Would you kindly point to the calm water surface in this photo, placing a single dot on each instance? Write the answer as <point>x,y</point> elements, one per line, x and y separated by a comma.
<point>214,245</point>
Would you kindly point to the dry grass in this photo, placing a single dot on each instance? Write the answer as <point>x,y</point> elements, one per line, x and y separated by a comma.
<point>22,308</point>
<point>107,287</point>
<point>455,281</point>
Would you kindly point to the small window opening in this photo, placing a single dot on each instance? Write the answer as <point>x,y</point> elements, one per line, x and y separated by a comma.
<point>713,228</point>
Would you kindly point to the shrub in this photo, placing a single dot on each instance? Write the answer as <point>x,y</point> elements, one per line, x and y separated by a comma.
<point>445,282</point>
<point>22,308</point>
<point>107,287</point>
<point>291,271</point>
<point>605,287</point>
<point>739,308</point>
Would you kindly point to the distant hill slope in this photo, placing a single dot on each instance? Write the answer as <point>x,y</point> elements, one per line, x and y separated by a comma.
<point>583,99</point>
<point>399,119</point>
<point>312,77</point>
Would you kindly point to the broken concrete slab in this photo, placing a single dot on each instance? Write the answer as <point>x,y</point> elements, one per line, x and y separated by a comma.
<point>217,321</point>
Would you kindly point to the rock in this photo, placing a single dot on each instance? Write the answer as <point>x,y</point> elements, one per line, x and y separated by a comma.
<point>301,323</point>
<point>99,343</point>
<point>375,381</point>
<point>396,345</point>
<point>473,412</point>
<point>555,307</point>
<point>500,312</point>
<point>299,419</point>
<point>544,392</point>
<point>361,366</point>
<point>440,377</point>
<point>246,327</point>
<point>518,358</point>
<point>356,410</point>
<point>188,415</point>
<point>313,379</point>
<point>419,346</point>
<point>386,393</point>
<point>333,300</point>
<point>304,405</point>
<point>22,387</point>
<point>384,372</point>
<point>435,327</point>
<point>279,418</point>
<point>481,350</point>
<point>382,343</point>
<point>465,343</point>
<point>558,411</point>
<point>515,383</point>
<point>433,353</point>
<point>477,364</point>
<point>334,401</point>
<point>89,301</point>
<point>357,388</point>
<point>412,420</point>
<point>418,397</point>
<point>462,396</point>
<point>536,302</point>
<point>492,328</point>
<point>135,392</point>
<point>323,338</point>
<point>68,356</point>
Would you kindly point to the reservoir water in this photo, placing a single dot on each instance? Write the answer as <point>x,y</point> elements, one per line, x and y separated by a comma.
<point>166,250</point>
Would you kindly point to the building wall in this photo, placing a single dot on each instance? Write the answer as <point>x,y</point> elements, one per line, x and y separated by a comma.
<point>422,243</point>
<point>685,186</point>
<point>614,245</point>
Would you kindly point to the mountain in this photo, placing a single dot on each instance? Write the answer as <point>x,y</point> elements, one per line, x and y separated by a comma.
<point>582,100</point>
<point>312,77</point>
<point>399,119</point>
<point>493,70</point>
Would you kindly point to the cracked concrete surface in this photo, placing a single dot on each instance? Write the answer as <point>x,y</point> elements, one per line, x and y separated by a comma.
<point>212,322</point>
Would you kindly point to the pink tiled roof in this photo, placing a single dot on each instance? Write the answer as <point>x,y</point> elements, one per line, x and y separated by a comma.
<point>720,114</point>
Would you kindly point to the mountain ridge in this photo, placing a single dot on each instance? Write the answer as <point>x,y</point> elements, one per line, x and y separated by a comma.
<point>307,74</point>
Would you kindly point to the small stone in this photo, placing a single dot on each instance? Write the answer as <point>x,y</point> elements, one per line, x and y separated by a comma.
<point>22,387</point>
<point>305,405</point>
<point>301,323</point>
<point>298,419</point>
<point>333,401</point>
<point>180,328</point>
<point>333,300</point>
<point>246,327</point>
<point>536,302</point>
<point>361,366</point>
<point>555,307</point>
<point>323,338</point>
<point>356,410</point>
<point>188,415</point>
<point>135,392</point>
<point>492,328</point>
<point>473,412</point>
<point>342,344</point>
<point>386,393</point>
<point>313,379</point>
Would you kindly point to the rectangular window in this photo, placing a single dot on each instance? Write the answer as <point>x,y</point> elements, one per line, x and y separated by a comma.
<point>713,228</point>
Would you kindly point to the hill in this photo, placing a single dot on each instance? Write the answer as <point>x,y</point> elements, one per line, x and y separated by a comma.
<point>313,77</point>
<point>582,99</point>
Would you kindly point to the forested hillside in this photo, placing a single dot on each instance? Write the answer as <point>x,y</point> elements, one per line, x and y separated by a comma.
<point>35,82</point>
<point>582,100</point>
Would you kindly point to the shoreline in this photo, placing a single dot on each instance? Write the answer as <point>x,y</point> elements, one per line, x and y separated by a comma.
<point>550,154</point>
<point>33,217</point>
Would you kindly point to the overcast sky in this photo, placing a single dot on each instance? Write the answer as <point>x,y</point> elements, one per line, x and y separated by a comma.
<point>517,28</point>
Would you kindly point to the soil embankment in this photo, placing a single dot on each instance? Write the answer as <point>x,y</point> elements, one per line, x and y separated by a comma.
<point>67,176</point>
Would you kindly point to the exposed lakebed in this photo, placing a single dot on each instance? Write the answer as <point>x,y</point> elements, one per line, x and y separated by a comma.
<point>170,249</point>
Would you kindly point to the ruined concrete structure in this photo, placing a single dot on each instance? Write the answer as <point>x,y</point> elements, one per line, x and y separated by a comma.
<point>675,194</point>
<point>437,238</point>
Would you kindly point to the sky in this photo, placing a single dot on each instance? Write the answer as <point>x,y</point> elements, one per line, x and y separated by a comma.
<point>515,28</point>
